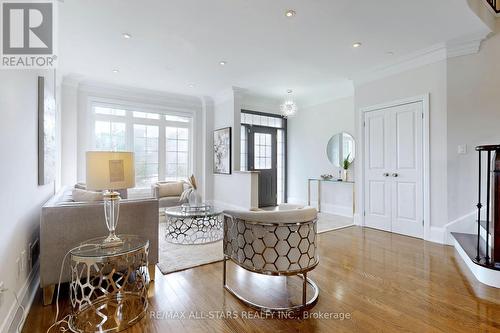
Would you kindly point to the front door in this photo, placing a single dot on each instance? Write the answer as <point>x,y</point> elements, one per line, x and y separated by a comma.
<point>262,157</point>
<point>394,169</point>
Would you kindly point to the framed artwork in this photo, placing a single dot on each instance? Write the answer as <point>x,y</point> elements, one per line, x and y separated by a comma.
<point>222,151</point>
<point>46,132</point>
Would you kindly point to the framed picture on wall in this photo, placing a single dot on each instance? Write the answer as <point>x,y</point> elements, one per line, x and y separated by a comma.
<point>222,151</point>
<point>46,132</point>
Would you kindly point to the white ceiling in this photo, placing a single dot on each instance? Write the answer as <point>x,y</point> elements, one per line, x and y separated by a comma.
<point>178,42</point>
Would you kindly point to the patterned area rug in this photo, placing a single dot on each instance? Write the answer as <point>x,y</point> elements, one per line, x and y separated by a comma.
<point>175,257</point>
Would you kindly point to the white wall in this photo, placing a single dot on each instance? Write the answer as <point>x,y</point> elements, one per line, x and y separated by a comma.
<point>69,130</point>
<point>308,136</point>
<point>20,195</point>
<point>427,79</point>
<point>238,190</point>
<point>473,119</point>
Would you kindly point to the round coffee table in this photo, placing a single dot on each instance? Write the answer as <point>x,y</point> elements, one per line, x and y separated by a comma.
<point>109,286</point>
<point>190,225</point>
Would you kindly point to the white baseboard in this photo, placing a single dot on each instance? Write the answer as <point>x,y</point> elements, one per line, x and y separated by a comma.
<point>358,219</point>
<point>465,224</point>
<point>26,296</point>
<point>328,208</point>
<point>436,235</point>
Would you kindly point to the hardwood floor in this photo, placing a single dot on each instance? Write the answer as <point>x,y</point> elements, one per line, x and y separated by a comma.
<point>385,282</point>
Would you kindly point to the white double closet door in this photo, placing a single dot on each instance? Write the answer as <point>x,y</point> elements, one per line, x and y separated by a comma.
<point>394,169</point>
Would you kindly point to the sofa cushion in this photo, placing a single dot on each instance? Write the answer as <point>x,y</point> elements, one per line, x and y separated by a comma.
<point>170,189</point>
<point>169,202</point>
<point>80,195</point>
<point>81,186</point>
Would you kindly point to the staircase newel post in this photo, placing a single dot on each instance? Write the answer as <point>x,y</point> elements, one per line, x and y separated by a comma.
<point>488,191</point>
<point>479,206</point>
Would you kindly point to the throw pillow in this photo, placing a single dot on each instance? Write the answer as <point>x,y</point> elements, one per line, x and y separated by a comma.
<point>86,196</point>
<point>173,189</point>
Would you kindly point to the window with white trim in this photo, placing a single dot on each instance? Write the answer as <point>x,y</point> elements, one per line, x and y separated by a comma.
<point>162,142</point>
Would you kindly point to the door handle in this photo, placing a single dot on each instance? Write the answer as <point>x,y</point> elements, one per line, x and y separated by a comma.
<point>386,174</point>
<point>395,175</point>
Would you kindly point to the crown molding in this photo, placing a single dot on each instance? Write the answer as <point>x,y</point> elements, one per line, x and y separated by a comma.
<point>99,89</point>
<point>439,52</point>
<point>467,45</point>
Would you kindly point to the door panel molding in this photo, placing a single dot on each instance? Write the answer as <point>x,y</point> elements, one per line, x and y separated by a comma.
<point>362,187</point>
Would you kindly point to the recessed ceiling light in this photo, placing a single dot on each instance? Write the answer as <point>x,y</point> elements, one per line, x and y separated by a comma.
<point>126,35</point>
<point>390,53</point>
<point>357,44</point>
<point>290,13</point>
<point>223,63</point>
<point>116,70</point>
<point>289,91</point>
<point>191,85</point>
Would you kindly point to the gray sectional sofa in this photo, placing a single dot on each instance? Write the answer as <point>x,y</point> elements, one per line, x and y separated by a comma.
<point>65,223</point>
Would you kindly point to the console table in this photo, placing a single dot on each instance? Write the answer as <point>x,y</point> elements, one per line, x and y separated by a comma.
<point>320,180</point>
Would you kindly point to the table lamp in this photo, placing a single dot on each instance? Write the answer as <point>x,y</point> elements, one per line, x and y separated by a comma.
<point>108,171</point>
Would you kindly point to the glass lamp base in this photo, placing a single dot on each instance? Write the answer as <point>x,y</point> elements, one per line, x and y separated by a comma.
<point>112,241</point>
<point>111,214</point>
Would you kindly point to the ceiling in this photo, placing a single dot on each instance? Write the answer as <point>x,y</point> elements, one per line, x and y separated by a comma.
<point>178,43</point>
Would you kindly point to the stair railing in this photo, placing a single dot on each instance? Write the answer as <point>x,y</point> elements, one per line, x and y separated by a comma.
<point>493,4</point>
<point>488,213</point>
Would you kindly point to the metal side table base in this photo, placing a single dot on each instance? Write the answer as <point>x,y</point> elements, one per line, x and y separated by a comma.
<point>306,304</point>
<point>109,286</point>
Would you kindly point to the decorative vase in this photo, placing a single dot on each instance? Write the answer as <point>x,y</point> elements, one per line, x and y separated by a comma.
<point>344,175</point>
<point>194,199</point>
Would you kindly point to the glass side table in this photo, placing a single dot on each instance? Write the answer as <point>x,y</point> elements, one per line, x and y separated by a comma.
<point>189,225</point>
<point>109,286</point>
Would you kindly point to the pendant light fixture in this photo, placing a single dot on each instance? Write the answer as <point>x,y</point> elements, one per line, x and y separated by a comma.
<point>288,108</point>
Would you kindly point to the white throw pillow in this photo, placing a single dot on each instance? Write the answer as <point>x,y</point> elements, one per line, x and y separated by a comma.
<point>173,189</point>
<point>86,196</point>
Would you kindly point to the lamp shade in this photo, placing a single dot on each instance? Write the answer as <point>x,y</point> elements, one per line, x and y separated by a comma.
<point>109,170</point>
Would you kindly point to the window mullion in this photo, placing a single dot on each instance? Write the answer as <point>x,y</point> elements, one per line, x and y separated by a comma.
<point>162,147</point>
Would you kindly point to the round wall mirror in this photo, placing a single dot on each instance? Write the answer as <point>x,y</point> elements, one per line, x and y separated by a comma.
<point>340,147</point>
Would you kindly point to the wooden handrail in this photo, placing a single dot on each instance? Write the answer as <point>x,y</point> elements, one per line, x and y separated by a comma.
<point>495,5</point>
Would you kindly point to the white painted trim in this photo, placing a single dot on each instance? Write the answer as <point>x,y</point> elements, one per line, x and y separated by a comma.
<point>132,93</point>
<point>327,208</point>
<point>358,219</point>
<point>484,275</point>
<point>336,228</point>
<point>345,211</point>
<point>417,59</point>
<point>424,99</point>
<point>26,295</point>
<point>461,224</point>
<point>465,45</point>
<point>436,235</point>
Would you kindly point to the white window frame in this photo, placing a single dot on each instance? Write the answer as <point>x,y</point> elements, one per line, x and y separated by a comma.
<point>130,120</point>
